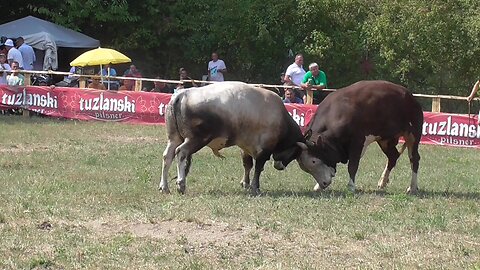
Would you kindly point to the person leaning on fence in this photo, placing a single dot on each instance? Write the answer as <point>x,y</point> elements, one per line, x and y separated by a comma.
<point>187,81</point>
<point>15,78</point>
<point>472,95</point>
<point>315,80</point>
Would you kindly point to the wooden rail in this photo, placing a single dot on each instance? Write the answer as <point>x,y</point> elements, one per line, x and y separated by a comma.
<point>436,99</point>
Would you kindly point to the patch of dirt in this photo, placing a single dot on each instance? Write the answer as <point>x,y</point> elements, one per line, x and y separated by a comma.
<point>22,148</point>
<point>191,232</point>
<point>125,139</point>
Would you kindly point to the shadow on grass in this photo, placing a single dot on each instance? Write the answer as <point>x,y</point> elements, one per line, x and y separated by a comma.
<point>32,119</point>
<point>422,194</point>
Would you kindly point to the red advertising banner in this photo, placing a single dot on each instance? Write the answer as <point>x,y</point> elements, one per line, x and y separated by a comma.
<point>149,108</point>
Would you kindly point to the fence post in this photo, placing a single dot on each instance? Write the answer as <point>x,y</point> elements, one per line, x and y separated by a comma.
<point>309,97</point>
<point>26,81</point>
<point>138,85</point>
<point>436,104</point>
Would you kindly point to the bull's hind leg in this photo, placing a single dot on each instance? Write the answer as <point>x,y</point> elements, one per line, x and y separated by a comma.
<point>184,154</point>
<point>168,156</point>
<point>390,150</point>
<point>412,144</point>
<point>247,165</point>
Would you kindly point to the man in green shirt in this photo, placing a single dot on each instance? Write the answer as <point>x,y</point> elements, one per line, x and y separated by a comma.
<point>315,80</point>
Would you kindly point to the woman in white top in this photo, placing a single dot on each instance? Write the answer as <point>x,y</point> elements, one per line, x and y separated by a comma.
<point>4,66</point>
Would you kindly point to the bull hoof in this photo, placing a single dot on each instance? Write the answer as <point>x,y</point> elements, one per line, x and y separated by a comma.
<point>255,192</point>
<point>164,190</point>
<point>244,185</point>
<point>412,191</point>
<point>317,188</point>
<point>181,187</point>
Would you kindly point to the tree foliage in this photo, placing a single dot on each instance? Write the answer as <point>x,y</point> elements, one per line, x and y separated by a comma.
<point>429,46</point>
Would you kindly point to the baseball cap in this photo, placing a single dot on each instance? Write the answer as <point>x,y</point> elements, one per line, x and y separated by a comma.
<point>9,43</point>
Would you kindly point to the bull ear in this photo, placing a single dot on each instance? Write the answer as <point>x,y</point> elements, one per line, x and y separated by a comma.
<point>302,145</point>
<point>308,134</point>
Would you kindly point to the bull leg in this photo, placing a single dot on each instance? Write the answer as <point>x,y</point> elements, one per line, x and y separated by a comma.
<point>390,150</point>
<point>259,165</point>
<point>412,144</point>
<point>168,156</point>
<point>184,154</point>
<point>353,161</point>
<point>247,165</point>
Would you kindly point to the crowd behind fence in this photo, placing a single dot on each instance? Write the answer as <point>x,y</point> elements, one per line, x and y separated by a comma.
<point>436,100</point>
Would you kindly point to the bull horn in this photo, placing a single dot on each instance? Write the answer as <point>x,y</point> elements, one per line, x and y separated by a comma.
<point>308,134</point>
<point>310,143</point>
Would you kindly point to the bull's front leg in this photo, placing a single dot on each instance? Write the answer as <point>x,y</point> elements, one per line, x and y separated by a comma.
<point>353,162</point>
<point>259,165</point>
<point>247,165</point>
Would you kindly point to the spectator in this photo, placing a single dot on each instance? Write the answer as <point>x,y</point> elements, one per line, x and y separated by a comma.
<point>291,98</point>
<point>96,84</point>
<point>216,69</point>
<point>128,85</point>
<point>28,55</point>
<point>106,70</point>
<point>295,72</point>
<point>13,54</point>
<point>4,66</point>
<point>474,91</point>
<point>472,95</point>
<point>315,79</point>
<point>15,78</point>
<point>187,81</point>
<point>131,72</point>
<point>161,87</point>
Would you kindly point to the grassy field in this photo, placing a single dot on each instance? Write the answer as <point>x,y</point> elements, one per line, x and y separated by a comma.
<point>84,195</point>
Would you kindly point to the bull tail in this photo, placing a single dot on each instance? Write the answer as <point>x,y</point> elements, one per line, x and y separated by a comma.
<point>173,114</point>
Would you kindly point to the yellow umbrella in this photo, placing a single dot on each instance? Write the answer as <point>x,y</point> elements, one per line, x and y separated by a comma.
<point>100,56</point>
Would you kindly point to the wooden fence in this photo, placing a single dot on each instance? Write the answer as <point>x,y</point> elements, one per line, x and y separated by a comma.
<point>83,79</point>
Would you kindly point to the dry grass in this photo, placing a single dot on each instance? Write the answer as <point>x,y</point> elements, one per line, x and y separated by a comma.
<point>83,195</point>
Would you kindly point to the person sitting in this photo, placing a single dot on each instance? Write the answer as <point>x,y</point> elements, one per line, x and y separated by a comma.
<point>290,97</point>
<point>128,85</point>
<point>107,70</point>
<point>96,84</point>
<point>161,87</point>
<point>314,79</point>
<point>15,78</point>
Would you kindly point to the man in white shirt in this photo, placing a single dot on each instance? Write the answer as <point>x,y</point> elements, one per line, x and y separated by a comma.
<point>13,54</point>
<point>216,68</point>
<point>295,72</point>
<point>27,52</point>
